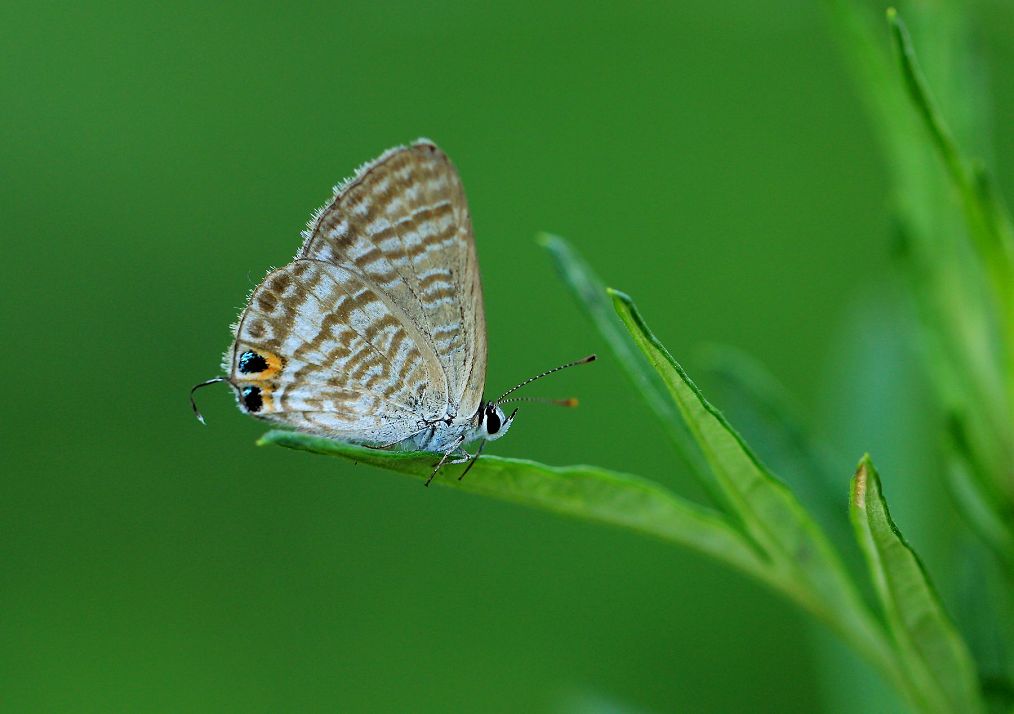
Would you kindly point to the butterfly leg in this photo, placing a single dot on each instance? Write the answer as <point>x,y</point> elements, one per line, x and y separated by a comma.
<point>455,447</point>
<point>474,459</point>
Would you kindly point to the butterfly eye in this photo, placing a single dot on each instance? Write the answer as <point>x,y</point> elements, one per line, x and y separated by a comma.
<point>250,362</point>
<point>492,420</point>
<point>252,398</point>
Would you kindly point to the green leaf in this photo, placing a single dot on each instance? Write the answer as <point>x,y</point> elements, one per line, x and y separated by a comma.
<point>590,292</point>
<point>932,652</point>
<point>591,295</point>
<point>774,426</point>
<point>803,563</point>
<point>585,492</point>
<point>989,221</point>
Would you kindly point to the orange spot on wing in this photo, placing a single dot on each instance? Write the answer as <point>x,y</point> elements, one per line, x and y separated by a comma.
<point>275,365</point>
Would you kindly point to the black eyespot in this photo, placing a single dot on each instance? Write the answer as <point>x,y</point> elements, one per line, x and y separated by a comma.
<point>492,421</point>
<point>252,398</point>
<point>250,362</point>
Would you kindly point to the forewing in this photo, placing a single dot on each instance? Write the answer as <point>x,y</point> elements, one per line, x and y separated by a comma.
<point>403,225</point>
<point>320,349</point>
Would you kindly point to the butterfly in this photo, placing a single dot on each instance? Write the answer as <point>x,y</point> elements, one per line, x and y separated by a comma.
<point>375,333</point>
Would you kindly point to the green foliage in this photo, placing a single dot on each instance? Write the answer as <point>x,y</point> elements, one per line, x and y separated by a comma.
<point>768,419</point>
<point>957,242</point>
<point>800,557</point>
<point>589,290</point>
<point>924,89</point>
<point>990,223</point>
<point>983,447</point>
<point>803,564</point>
<point>935,657</point>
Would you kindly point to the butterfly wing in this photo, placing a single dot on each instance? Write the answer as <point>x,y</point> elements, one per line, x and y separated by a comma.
<point>402,226</point>
<point>319,348</point>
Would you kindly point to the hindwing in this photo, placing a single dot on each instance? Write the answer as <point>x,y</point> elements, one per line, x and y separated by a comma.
<point>320,348</point>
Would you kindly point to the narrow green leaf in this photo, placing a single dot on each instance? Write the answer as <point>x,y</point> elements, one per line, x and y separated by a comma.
<point>935,657</point>
<point>918,91</point>
<point>951,219</point>
<point>989,221</point>
<point>969,176</point>
<point>804,563</point>
<point>773,425</point>
<point>584,492</point>
<point>985,498</point>
<point>590,293</point>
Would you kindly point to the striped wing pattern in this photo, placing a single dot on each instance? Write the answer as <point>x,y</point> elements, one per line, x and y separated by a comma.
<point>403,223</point>
<point>377,325</point>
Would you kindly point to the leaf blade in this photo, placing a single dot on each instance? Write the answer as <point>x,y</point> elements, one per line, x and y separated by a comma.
<point>990,225</point>
<point>590,292</point>
<point>770,421</point>
<point>935,657</point>
<point>805,566</point>
<point>584,492</point>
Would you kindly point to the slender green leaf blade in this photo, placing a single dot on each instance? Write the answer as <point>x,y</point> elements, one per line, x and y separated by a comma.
<point>590,293</point>
<point>806,566</point>
<point>989,221</point>
<point>771,514</point>
<point>774,426</point>
<point>933,653</point>
<point>918,91</point>
<point>584,492</point>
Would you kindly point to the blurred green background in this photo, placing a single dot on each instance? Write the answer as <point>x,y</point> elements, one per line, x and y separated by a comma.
<point>712,159</point>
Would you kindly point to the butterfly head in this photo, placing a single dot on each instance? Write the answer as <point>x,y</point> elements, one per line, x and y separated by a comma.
<point>492,422</point>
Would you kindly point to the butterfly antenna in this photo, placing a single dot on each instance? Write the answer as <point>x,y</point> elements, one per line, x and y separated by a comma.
<point>583,360</point>
<point>193,404</point>
<point>568,402</point>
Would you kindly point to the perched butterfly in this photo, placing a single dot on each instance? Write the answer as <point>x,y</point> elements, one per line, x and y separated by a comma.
<point>375,333</point>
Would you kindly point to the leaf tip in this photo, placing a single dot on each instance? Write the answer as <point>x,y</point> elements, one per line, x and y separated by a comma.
<point>545,240</point>
<point>619,296</point>
<point>899,33</point>
<point>865,473</point>
<point>268,438</point>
